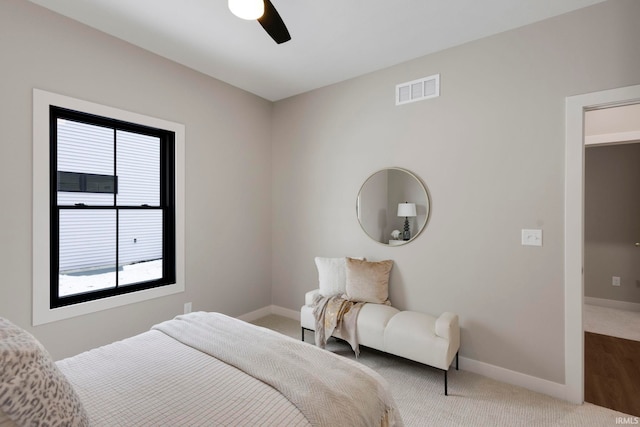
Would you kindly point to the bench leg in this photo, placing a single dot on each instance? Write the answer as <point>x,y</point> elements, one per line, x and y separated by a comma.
<point>445,384</point>
<point>302,333</point>
<point>445,377</point>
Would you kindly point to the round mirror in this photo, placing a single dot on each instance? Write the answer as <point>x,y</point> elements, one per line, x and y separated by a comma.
<point>393,206</point>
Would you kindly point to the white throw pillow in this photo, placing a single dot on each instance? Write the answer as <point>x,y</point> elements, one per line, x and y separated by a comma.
<point>332,275</point>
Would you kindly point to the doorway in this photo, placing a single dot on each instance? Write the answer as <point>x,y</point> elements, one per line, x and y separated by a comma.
<point>611,271</point>
<point>576,106</point>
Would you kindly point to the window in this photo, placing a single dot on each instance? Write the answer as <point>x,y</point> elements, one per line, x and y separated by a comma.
<point>114,207</point>
<point>106,242</point>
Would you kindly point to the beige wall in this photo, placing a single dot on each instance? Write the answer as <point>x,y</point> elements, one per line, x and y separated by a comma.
<point>612,222</point>
<point>228,216</point>
<point>491,151</point>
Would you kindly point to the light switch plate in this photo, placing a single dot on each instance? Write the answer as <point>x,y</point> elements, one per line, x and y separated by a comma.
<point>531,237</point>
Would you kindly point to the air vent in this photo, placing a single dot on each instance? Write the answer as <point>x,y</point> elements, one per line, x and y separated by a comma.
<point>418,90</point>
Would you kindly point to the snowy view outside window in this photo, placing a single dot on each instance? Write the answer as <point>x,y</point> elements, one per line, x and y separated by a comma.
<point>110,226</point>
<point>91,280</point>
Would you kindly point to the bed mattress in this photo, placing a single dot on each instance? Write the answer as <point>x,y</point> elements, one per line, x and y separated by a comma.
<point>171,384</point>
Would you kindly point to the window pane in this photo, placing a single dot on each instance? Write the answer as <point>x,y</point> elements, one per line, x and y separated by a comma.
<point>87,250</point>
<point>140,246</point>
<point>138,169</point>
<point>87,151</point>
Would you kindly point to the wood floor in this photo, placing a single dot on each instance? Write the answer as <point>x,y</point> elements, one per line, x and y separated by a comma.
<point>612,372</point>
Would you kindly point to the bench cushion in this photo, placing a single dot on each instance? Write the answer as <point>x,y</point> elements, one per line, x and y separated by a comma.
<point>415,336</point>
<point>372,321</point>
<point>412,335</point>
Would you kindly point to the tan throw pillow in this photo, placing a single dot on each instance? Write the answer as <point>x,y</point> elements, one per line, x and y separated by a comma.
<point>368,281</point>
<point>33,391</point>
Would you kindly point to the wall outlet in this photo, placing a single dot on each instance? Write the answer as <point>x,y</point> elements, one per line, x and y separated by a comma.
<point>531,237</point>
<point>187,307</point>
<point>615,281</point>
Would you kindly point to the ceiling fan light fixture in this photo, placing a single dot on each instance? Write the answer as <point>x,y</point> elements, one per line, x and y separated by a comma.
<point>247,9</point>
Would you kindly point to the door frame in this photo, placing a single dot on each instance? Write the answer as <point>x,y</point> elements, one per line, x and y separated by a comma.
<point>575,107</point>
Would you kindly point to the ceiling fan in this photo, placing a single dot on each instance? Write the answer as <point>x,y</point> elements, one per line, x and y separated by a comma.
<point>266,14</point>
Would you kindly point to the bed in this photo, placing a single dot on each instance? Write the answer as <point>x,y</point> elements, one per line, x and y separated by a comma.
<point>199,369</point>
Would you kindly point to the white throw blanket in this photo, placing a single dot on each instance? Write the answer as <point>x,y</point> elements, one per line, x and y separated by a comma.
<point>328,389</point>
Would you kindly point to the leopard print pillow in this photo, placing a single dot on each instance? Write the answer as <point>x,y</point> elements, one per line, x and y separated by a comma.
<point>33,391</point>
<point>5,421</point>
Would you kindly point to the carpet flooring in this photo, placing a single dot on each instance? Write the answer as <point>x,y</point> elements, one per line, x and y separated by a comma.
<point>612,321</point>
<point>473,400</point>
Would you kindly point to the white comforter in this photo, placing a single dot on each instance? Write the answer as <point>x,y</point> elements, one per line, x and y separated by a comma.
<point>155,379</point>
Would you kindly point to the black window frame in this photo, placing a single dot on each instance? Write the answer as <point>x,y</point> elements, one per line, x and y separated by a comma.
<point>167,206</point>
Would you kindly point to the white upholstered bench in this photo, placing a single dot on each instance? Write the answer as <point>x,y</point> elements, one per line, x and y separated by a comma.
<point>420,337</point>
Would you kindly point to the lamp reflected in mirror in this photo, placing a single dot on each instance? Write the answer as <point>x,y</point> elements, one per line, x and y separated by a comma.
<point>406,210</point>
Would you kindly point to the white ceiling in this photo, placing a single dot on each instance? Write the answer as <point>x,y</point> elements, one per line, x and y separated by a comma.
<point>332,40</point>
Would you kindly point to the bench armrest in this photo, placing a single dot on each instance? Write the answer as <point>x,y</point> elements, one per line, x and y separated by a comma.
<point>447,326</point>
<point>310,296</point>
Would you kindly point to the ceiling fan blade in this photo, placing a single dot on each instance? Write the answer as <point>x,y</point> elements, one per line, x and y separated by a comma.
<point>273,23</point>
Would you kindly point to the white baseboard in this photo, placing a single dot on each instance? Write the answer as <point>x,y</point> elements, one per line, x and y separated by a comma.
<point>255,315</point>
<point>519,379</point>
<point>270,309</point>
<point>490,371</point>
<point>621,305</point>
<point>285,312</point>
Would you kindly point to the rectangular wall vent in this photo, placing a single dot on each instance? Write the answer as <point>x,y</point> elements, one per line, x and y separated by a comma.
<point>418,90</point>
